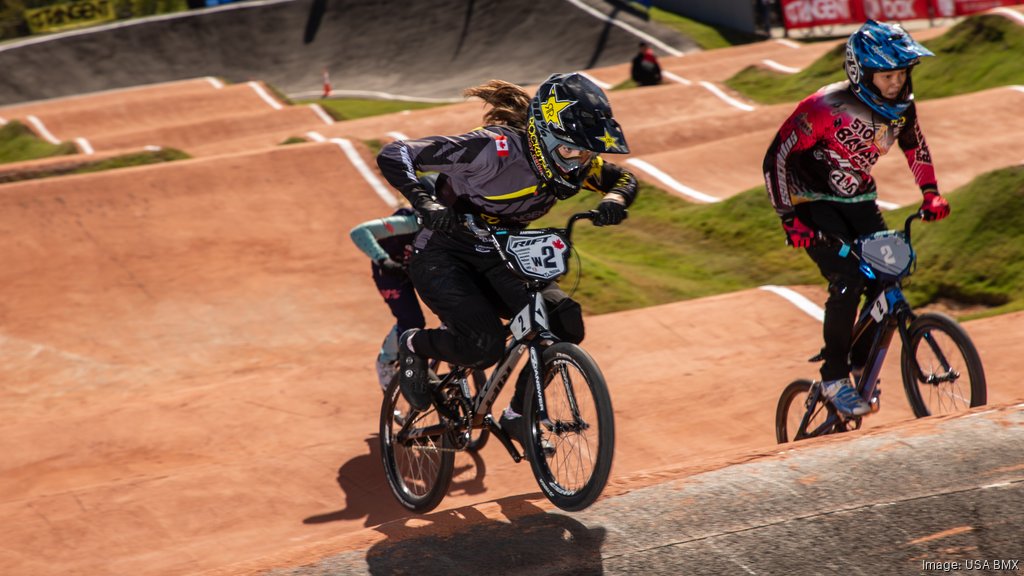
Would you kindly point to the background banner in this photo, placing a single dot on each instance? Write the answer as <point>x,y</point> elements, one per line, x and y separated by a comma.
<point>69,15</point>
<point>807,13</point>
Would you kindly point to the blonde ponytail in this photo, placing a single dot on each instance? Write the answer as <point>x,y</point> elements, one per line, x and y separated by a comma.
<point>508,102</point>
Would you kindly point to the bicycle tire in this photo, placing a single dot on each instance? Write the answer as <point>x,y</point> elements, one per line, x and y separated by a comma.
<point>418,472</point>
<point>793,426</point>
<point>940,332</point>
<point>569,469</point>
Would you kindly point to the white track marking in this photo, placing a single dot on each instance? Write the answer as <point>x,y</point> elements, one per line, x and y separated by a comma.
<point>779,67</point>
<point>801,302</point>
<point>600,83</point>
<point>84,146</point>
<point>41,128</point>
<point>676,78</point>
<point>1009,13</point>
<point>214,82</point>
<point>642,35</point>
<point>350,151</point>
<point>263,94</point>
<point>725,97</point>
<point>671,182</point>
<point>319,111</point>
<point>398,135</point>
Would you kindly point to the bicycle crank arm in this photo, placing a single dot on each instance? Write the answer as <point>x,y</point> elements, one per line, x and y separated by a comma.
<point>502,437</point>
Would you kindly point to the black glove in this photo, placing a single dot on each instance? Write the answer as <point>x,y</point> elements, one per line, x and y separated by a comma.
<point>610,213</point>
<point>391,268</point>
<point>435,217</point>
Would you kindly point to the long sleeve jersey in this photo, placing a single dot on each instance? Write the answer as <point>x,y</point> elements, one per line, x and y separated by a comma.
<point>386,237</point>
<point>826,148</point>
<point>488,173</point>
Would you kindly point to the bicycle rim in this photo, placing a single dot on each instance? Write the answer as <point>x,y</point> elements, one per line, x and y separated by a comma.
<point>572,460</point>
<point>942,372</point>
<point>419,470</point>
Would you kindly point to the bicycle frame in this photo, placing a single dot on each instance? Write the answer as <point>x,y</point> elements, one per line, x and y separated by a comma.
<point>530,333</point>
<point>887,257</point>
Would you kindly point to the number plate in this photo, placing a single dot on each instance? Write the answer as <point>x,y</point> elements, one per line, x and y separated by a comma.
<point>542,256</point>
<point>879,307</point>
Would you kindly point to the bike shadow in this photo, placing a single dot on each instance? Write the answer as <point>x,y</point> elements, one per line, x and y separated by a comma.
<point>465,541</point>
<point>367,494</point>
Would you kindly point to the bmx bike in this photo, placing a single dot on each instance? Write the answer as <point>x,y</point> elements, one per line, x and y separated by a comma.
<point>940,367</point>
<point>568,414</point>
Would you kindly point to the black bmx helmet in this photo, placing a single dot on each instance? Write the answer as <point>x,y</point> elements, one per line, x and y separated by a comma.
<point>569,124</point>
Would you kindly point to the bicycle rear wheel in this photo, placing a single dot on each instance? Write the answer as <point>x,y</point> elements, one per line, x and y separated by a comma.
<point>942,372</point>
<point>793,420</point>
<point>572,460</point>
<point>416,450</point>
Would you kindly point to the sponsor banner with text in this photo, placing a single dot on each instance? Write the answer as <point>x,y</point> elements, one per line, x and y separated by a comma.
<point>67,15</point>
<point>807,13</point>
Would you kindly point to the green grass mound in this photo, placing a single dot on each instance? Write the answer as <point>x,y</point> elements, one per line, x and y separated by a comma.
<point>82,165</point>
<point>976,54</point>
<point>706,36</point>
<point>18,143</point>
<point>670,249</point>
<point>354,108</point>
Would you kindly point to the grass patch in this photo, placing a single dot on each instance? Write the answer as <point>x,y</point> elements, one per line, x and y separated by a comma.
<point>81,166</point>
<point>18,143</point>
<point>706,36</point>
<point>670,249</point>
<point>136,159</point>
<point>976,256</point>
<point>973,55</point>
<point>353,108</point>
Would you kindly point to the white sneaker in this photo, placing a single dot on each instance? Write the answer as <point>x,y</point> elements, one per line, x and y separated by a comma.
<point>845,398</point>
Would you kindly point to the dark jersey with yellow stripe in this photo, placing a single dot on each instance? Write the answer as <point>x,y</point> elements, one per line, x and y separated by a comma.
<point>488,173</point>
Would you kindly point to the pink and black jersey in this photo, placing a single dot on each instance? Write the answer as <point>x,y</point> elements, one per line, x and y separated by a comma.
<point>826,148</point>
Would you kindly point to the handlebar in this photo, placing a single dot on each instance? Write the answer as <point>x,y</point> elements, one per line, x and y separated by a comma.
<point>483,230</point>
<point>845,245</point>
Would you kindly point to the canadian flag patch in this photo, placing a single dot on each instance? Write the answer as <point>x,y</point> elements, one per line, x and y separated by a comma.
<point>502,144</point>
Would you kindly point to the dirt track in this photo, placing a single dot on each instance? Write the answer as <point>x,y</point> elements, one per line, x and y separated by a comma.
<point>186,349</point>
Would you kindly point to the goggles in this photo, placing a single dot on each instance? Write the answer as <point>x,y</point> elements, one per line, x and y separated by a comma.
<point>580,156</point>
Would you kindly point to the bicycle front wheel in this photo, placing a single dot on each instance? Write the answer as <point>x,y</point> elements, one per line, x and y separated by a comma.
<point>796,420</point>
<point>572,457</point>
<point>942,372</point>
<point>416,450</point>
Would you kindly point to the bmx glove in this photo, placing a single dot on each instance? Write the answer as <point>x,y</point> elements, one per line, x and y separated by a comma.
<point>798,234</point>
<point>934,207</point>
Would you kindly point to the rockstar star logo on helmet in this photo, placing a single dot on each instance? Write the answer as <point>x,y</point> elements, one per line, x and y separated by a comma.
<point>552,109</point>
<point>610,142</point>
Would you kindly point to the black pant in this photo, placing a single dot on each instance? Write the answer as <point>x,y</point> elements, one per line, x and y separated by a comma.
<point>471,293</point>
<point>400,296</point>
<point>846,283</point>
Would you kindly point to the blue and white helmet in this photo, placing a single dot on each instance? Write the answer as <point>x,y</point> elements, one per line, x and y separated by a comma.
<point>874,47</point>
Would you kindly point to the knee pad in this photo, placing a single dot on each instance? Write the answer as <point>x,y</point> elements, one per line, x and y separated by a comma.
<point>488,349</point>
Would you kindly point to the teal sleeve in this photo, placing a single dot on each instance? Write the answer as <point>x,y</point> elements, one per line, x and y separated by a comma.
<point>366,235</point>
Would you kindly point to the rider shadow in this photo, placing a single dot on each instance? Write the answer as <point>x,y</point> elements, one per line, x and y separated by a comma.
<point>365,474</point>
<point>464,541</point>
